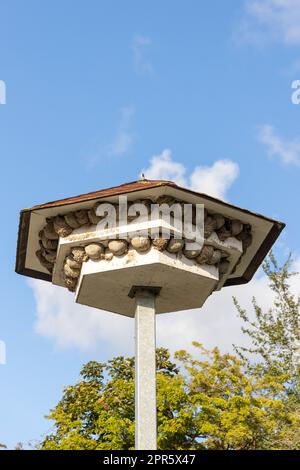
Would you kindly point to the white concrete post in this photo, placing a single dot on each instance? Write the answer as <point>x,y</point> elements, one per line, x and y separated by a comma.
<point>145,371</point>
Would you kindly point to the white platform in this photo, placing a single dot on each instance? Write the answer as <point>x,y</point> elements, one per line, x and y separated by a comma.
<point>184,285</point>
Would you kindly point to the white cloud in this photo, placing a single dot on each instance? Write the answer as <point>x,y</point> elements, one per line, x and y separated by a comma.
<point>2,352</point>
<point>287,151</point>
<point>141,64</point>
<point>266,21</point>
<point>123,138</point>
<point>68,324</point>
<point>214,180</point>
<point>215,324</point>
<point>163,167</point>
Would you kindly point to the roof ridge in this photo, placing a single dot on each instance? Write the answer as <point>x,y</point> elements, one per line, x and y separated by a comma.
<point>138,184</point>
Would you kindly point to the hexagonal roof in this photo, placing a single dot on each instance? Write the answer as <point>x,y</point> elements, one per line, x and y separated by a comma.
<point>266,230</point>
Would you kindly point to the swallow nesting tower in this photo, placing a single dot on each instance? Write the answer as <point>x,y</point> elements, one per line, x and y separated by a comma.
<point>131,267</point>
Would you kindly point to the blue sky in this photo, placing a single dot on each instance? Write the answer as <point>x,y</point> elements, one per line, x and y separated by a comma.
<point>94,91</point>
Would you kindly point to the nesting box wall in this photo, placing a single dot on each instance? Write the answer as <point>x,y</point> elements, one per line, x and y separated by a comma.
<point>217,229</point>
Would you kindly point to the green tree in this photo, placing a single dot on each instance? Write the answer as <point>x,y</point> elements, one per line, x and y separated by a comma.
<point>98,411</point>
<point>212,405</point>
<point>232,410</point>
<point>275,344</point>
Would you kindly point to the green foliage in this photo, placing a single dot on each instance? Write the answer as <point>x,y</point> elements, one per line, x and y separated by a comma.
<point>213,405</point>
<point>232,410</point>
<point>207,400</point>
<point>274,334</point>
<point>98,411</point>
<point>275,345</point>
